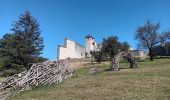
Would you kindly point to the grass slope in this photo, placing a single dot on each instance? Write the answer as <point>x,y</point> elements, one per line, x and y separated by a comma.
<point>150,81</point>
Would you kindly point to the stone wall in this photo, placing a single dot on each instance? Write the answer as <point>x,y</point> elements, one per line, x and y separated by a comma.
<point>139,54</point>
<point>79,51</point>
<point>71,50</point>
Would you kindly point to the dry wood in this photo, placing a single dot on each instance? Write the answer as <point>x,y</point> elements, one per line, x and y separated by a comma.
<point>119,56</point>
<point>49,72</point>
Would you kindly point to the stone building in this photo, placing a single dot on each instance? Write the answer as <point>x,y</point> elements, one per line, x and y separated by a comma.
<point>72,49</point>
<point>90,45</point>
<point>162,50</point>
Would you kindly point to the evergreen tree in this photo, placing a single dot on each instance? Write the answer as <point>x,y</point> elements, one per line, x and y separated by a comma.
<point>27,29</point>
<point>11,52</point>
<point>24,46</point>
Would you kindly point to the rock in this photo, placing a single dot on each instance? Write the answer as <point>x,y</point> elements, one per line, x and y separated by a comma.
<point>94,70</point>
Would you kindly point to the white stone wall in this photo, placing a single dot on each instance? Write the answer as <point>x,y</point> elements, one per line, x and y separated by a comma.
<point>139,54</point>
<point>71,50</point>
<point>79,51</point>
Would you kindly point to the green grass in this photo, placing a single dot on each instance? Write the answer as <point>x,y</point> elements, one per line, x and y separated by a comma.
<point>150,81</point>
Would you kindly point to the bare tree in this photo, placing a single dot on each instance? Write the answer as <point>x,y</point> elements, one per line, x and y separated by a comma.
<point>165,36</point>
<point>148,36</point>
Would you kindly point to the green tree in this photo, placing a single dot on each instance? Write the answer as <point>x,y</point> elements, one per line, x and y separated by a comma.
<point>24,46</point>
<point>97,55</point>
<point>27,29</point>
<point>124,46</point>
<point>10,48</point>
<point>111,46</point>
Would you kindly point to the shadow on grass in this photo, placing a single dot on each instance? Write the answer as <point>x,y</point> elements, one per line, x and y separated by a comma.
<point>108,69</point>
<point>162,57</point>
<point>124,68</point>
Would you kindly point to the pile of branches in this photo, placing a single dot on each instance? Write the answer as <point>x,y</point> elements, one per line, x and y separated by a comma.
<point>46,73</point>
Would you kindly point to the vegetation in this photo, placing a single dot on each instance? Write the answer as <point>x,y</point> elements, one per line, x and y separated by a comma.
<point>22,47</point>
<point>110,47</point>
<point>149,82</point>
<point>97,55</point>
<point>148,36</point>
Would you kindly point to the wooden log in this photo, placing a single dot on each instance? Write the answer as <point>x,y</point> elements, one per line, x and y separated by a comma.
<point>49,72</point>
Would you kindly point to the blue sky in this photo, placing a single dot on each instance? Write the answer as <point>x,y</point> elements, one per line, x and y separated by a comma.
<point>76,18</point>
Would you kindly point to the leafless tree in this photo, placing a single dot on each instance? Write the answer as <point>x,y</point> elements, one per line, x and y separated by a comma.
<point>148,36</point>
<point>165,36</point>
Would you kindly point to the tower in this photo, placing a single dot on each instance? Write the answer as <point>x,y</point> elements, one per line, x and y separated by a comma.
<point>90,45</point>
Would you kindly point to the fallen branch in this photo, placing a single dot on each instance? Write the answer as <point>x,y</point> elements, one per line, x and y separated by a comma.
<point>49,72</point>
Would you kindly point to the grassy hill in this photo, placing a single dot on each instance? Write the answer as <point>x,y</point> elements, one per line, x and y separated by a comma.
<point>150,81</point>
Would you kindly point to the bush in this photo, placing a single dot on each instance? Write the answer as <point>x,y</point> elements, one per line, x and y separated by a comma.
<point>97,56</point>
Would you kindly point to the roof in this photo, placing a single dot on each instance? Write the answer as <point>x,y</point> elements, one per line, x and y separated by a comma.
<point>89,36</point>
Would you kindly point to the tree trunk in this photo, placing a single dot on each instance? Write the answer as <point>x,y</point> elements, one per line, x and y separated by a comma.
<point>151,54</point>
